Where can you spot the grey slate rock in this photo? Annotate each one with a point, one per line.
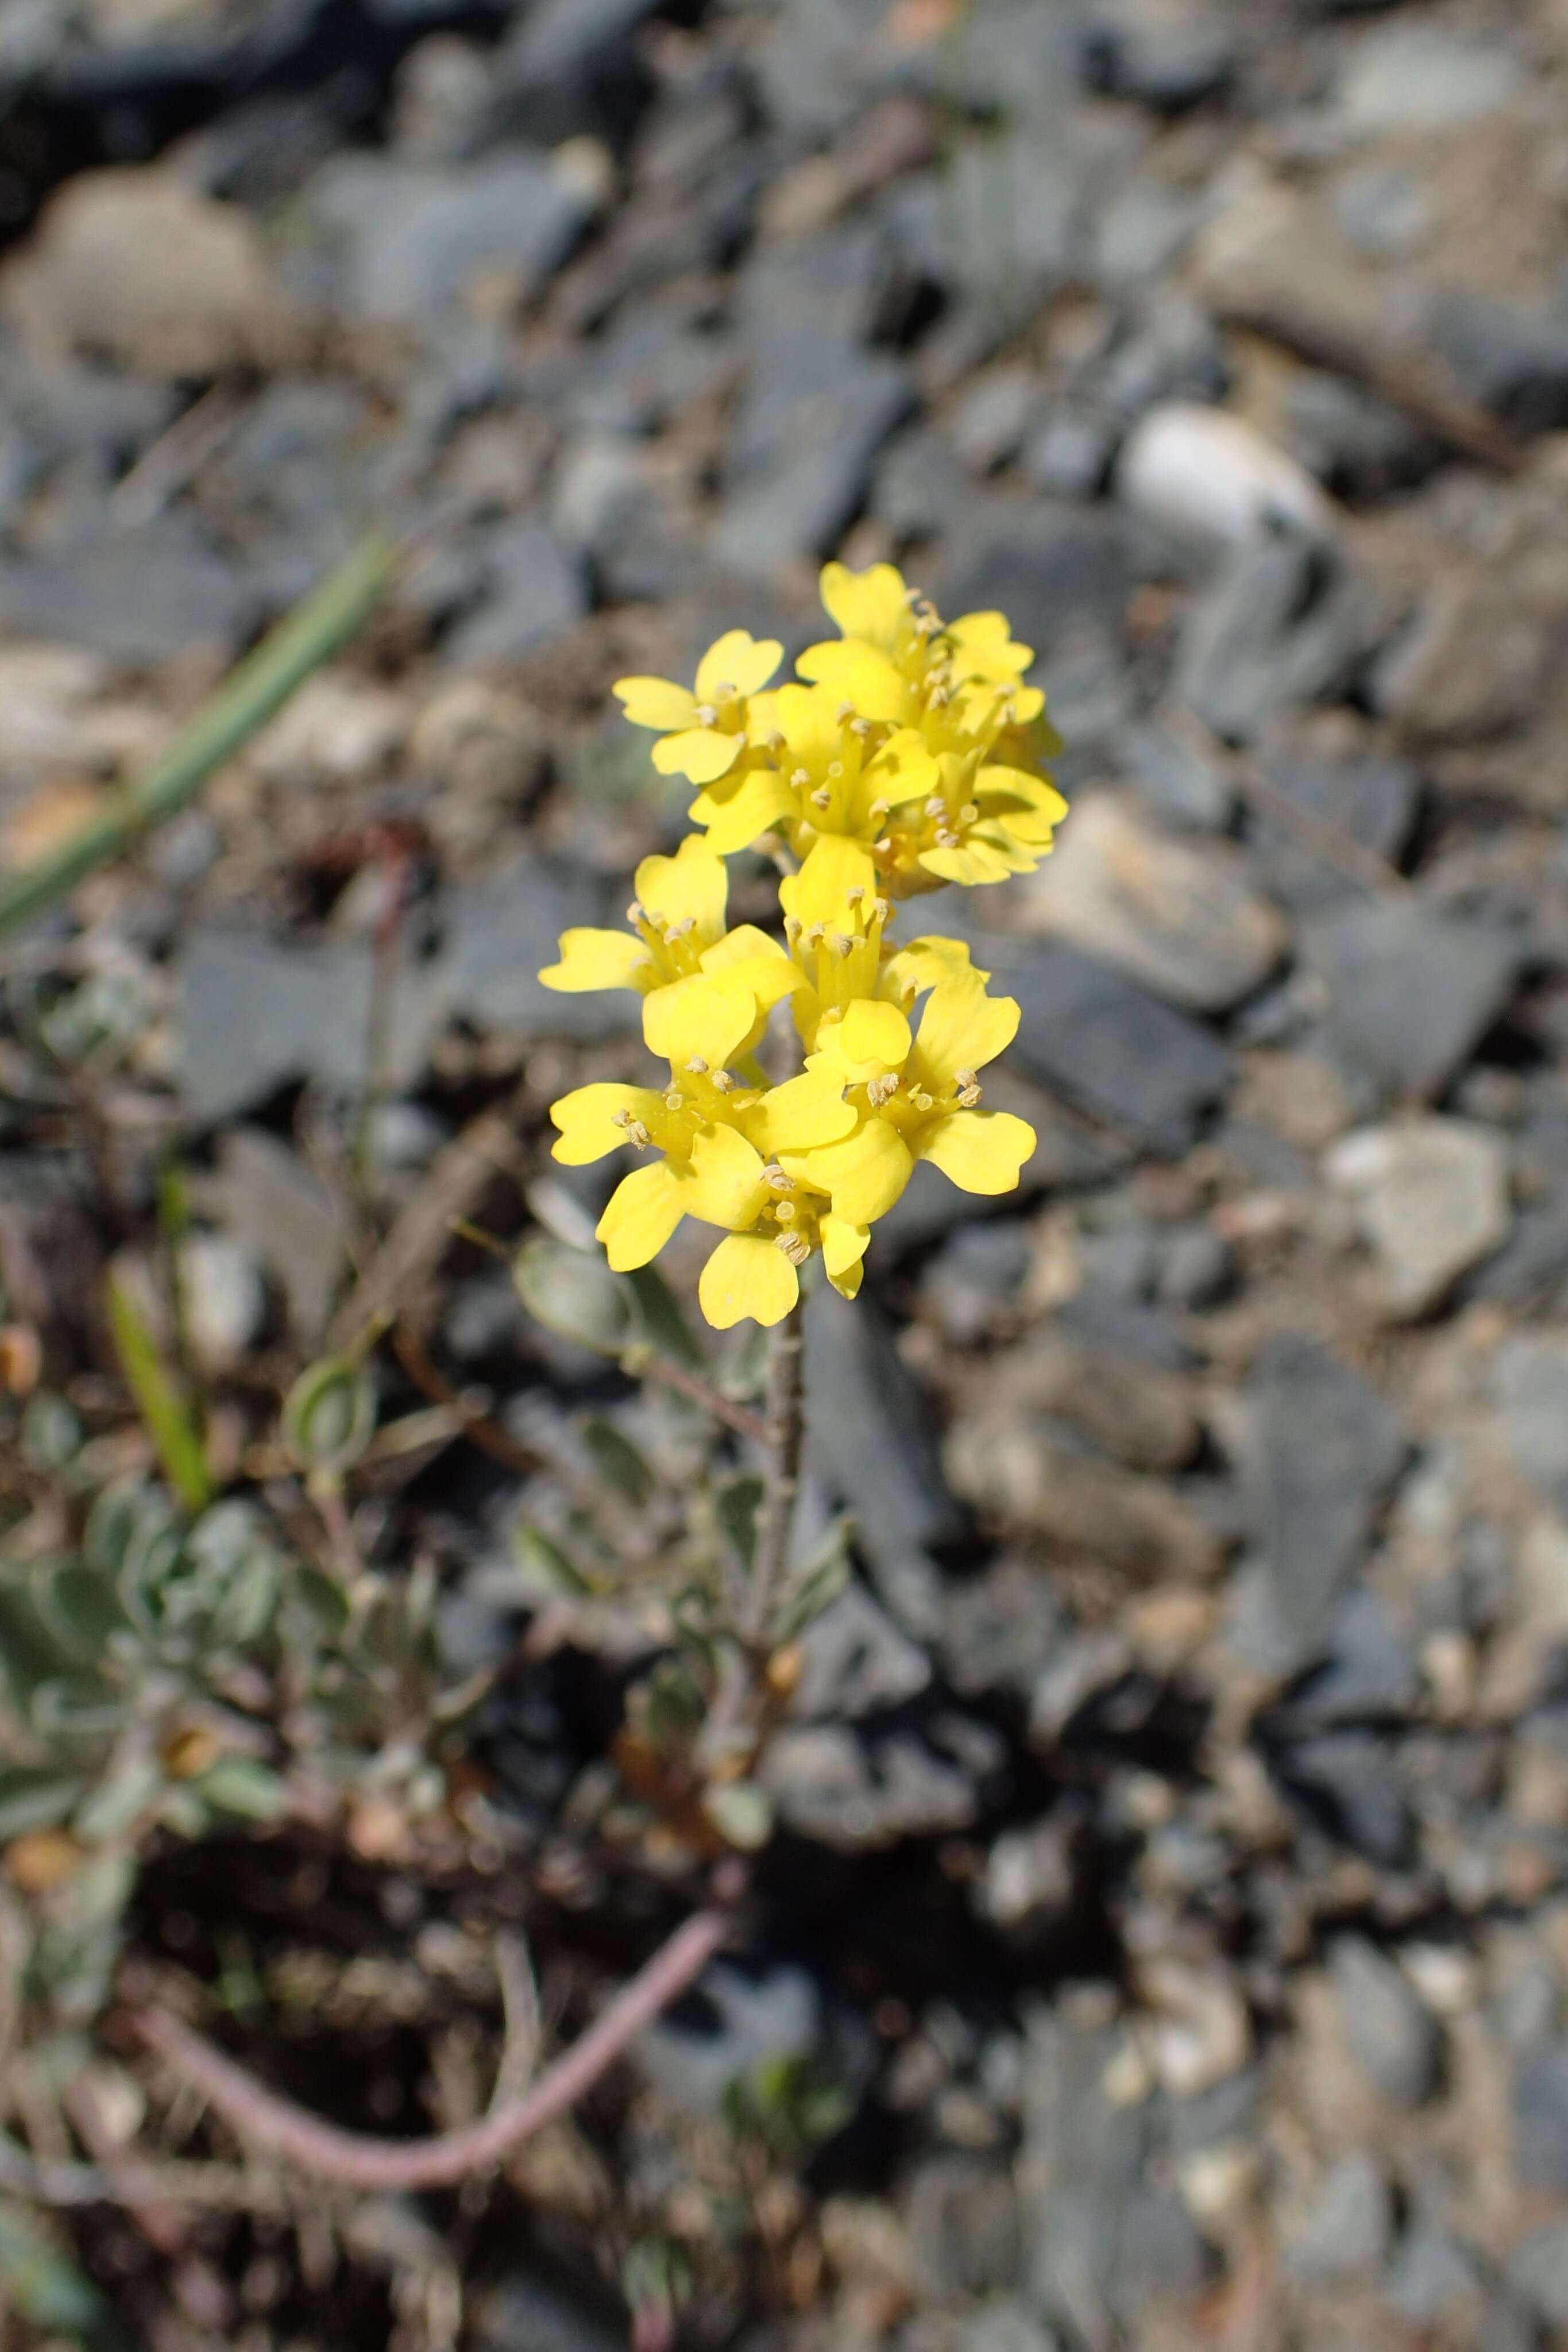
(1374, 801)
(867, 1440)
(919, 490)
(963, 2223)
(139, 595)
(1511, 356)
(534, 591)
(572, 66)
(1530, 1384)
(1110, 1045)
(410, 236)
(1341, 1782)
(1346, 2234)
(1167, 66)
(1369, 1670)
(501, 930)
(1541, 2118)
(1323, 1450)
(1070, 456)
(1050, 568)
(1386, 2024)
(1284, 622)
(800, 505)
(1432, 2278)
(1179, 781)
(257, 1014)
(750, 2023)
(1411, 991)
(1537, 2270)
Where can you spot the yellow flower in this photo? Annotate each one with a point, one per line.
(819, 770)
(703, 733)
(835, 923)
(989, 809)
(917, 1098)
(721, 1143)
(677, 933)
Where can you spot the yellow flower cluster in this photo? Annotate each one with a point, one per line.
(906, 753)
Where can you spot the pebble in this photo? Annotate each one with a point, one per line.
(1541, 2118)
(1111, 1046)
(223, 1297)
(1419, 77)
(1168, 58)
(1430, 1196)
(1180, 917)
(1411, 991)
(534, 590)
(1530, 1386)
(1322, 1450)
(1285, 623)
(1205, 474)
(1386, 2025)
(1345, 2231)
(134, 266)
(962, 2218)
(410, 238)
(1537, 2270)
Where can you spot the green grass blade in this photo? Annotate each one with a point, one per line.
(168, 1417)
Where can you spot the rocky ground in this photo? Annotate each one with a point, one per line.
(1171, 1895)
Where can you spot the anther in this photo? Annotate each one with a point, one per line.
(793, 927)
(878, 809)
(795, 1246)
(697, 1066)
(800, 778)
(852, 898)
(775, 1179)
(822, 798)
(841, 945)
(845, 711)
(724, 1082)
(774, 741)
(861, 728)
(639, 1134)
(816, 935)
(634, 913)
(706, 716)
(882, 1089)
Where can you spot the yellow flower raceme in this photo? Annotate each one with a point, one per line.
(989, 809)
(704, 733)
(917, 1097)
(677, 932)
(818, 770)
(721, 1144)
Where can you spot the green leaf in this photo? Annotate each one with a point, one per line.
(739, 1502)
(51, 1434)
(573, 1293)
(29, 1654)
(81, 1610)
(660, 1318)
(543, 1562)
(816, 1585)
(329, 1415)
(239, 1784)
(35, 1796)
(49, 2291)
(170, 1422)
(742, 1814)
(617, 1461)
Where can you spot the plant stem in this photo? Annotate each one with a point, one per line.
(263, 2120)
(261, 683)
(785, 1419)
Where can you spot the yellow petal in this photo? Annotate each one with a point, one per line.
(739, 661)
(843, 1247)
(640, 1216)
(759, 963)
(1006, 788)
(860, 674)
(865, 1174)
(654, 702)
(980, 1151)
(832, 868)
(701, 754)
(848, 1283)
(597, 960)
(871, 1038)
(725, 1186)
(904, 770)
(804, 1111)
(734, 822)
(973, 862)
(985, 647)
(747, 1275)
(586, 1120)
(962, 1028)
(873, 603)
(926, 963)
(693, 885)
(698, 1019)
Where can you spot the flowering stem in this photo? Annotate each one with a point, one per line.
(786, 1431)
(263, 2120)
